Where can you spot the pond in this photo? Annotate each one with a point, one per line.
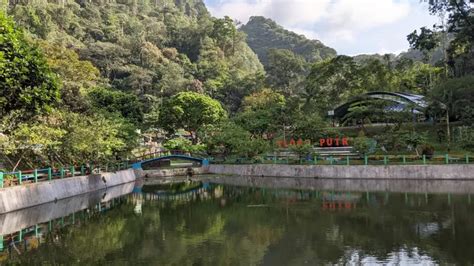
(250, 221)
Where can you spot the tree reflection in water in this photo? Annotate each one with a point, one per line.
(210, 224)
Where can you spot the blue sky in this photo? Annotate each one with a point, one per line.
(350, 26)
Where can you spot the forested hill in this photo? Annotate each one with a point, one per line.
(264, 34)
(151, 48)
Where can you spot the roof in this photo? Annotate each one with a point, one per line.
(399, 99)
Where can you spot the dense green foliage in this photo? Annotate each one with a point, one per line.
(169, 67)
(28, 85)
(190, 111)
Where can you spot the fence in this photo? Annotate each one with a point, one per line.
(8, 179)
(351, 160)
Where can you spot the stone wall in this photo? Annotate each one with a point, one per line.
(359, 171)
(28, 195)
(159, 173)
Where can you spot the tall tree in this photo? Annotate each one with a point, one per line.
(27, 84)
(190, 111)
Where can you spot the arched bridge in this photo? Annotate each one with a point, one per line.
(202, 161)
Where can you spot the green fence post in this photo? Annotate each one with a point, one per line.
(36, 230)
(1, 179)
(1, 243)
(446, 158)
(404, 158)
(316, 159)
(385, 160)
(83, 170)
(61, 172)
(92, 169)
(330, 160)
(287, 159)
(366, 159)
(50, 173)
(347, 160)
(126, 164)
(35, 174)
(274, 159)
(20, 179)
(467, 158)
(424, 159)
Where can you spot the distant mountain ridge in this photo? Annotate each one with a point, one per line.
(264, 34)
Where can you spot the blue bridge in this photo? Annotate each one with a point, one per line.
(202, 161)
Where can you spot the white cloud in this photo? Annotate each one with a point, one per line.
(285, 12)
(348, 17)
(342, 24)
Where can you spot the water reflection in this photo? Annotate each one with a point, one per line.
(24, 230)
(251, 223)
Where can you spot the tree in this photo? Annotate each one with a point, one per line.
(76, 77)
(183, 145)
(26, 82)
(125, 104)
(224, 32)
(229, 139)
(332, 81)
(457, 95)
(190, 111)
(285, 70)
(262, 113)
(458, 27)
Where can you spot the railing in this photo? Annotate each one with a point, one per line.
(351, 160)
(152, 155)
(8, 179)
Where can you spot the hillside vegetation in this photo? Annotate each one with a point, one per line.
(265, 34)
(83, 80)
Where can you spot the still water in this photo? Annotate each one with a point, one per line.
(250, 221)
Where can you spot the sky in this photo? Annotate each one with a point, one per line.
(350, 26)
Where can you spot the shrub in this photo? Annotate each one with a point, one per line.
(364, 145)
(427, 150)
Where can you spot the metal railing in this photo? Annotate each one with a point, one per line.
(9, 179)
(351, 160)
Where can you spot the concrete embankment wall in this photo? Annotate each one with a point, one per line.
(160, 173)
(357, 171)
(24, 218)
(420, 186)
(20, 197)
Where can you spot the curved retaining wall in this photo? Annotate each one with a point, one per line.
(356, 171)
(20, 197)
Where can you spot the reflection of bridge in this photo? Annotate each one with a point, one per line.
(202, 191)
(173, 155)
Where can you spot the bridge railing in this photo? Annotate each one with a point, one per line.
(152, 155)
